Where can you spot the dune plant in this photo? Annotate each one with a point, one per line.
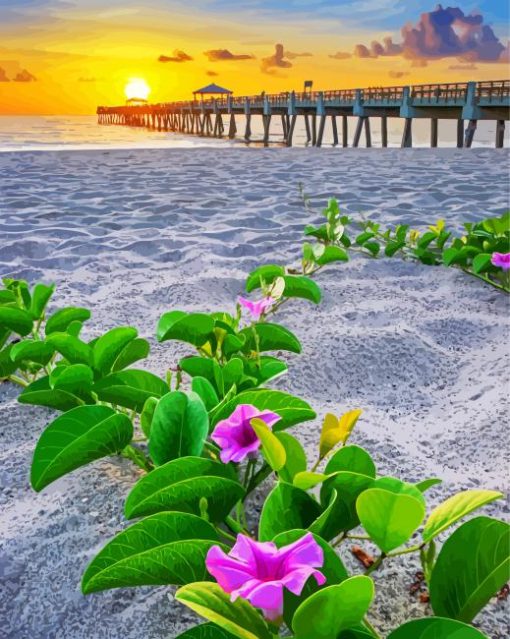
(208, 435)
(482, 251)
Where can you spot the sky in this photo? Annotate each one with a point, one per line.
(68, 56)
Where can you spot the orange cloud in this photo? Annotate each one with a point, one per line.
(24, 76)
(217, 55)
(178, 56)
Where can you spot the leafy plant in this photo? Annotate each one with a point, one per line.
(210, 432)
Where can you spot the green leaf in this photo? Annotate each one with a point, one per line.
(271, 337)
(302, 287)
(286, 507)
(32, 351)
(292, 410)
(206, 391)
(268, 273)
(482, 262)
(295, 457)
(353, 459)
(332, 254)
(332, 568)
(435, 628)
(76, 379)
(181, 484)
(133, 352)
(389, 518)
(16, 320)
(332, 609)
(7, 297)
(130, 388)
(398, 486)
(179, 427)
(424, 485)
(456, 507)
(109, 346)
(206, 631)
(323, 520)
(202, 367)
(164, 549)
(307, 479)
(348, 487)
(211, 602)
(364, 237)
(73, 349)
(473, 565)
(272, 449)
(372, 247)
(450, 256)
(40, 393)
(393, 247)
(7, 366)
(270, 368)
(147, 415)
(40, 297)
(193, 328)
(82, 435)
(232, 372)
(60, 320)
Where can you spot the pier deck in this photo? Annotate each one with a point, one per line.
(465, 102)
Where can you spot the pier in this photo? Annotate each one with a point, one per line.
(467, 103)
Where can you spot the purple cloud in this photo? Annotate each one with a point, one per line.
(340, 55)
(3, 76)
(441, 33)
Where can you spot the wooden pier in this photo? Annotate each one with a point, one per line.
(467, 103)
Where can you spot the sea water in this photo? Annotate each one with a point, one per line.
(38, 133)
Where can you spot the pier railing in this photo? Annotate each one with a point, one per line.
(462, 101)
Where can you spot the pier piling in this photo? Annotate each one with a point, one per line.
(462, 102)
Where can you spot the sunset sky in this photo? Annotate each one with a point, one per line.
(68, 56)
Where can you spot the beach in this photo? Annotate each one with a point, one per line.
(134, 233)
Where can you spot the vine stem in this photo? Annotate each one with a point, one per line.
(371, 628)
(376, 564)
(17, 380)
(406, 551)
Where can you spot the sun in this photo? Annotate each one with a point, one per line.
(137, 89)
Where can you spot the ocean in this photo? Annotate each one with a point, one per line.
(40, 133)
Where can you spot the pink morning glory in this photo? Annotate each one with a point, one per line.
(235, 435)
(259, 571)
(257, 309)
(502, 260)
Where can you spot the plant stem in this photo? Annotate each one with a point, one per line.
(376, 564)
(363, 537)
(406, 551)
(338, 541)
(371, 628)
(17, 380)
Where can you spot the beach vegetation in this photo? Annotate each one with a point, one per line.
(207, 435)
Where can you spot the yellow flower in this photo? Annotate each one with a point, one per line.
(336, 430)
(438, 227)
(414, 235)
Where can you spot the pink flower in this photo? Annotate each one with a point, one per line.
(259, 571)
(235, 435)
(502, 260)
(257, 308)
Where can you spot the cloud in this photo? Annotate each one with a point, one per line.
(398, 74)
(441, 33)
(86, 79)
(177, 56)
(275, 61)
(211, 74)
(24, 76)
(376, 49)
(463, 67)
(217, 55)
(340, 55)
(293, 56)
(3, 76)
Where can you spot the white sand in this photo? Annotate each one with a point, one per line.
(132, 234)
